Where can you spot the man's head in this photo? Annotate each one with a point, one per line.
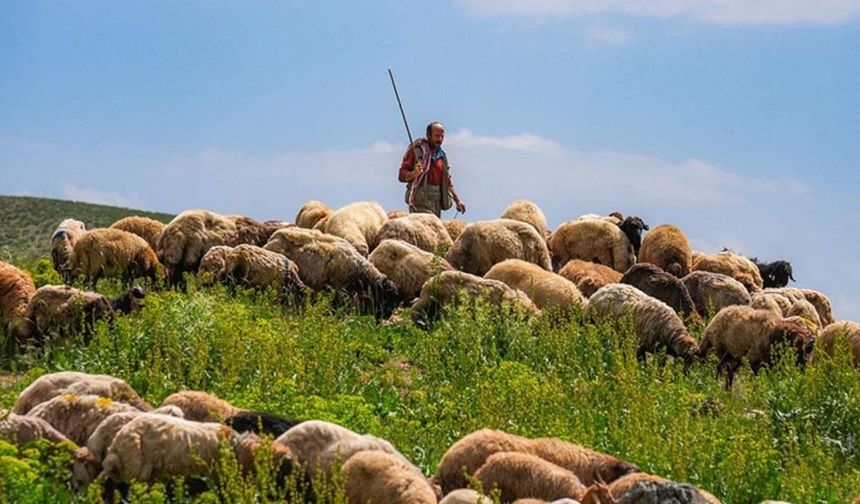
(435, 133)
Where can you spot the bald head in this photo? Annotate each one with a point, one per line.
(435, 133)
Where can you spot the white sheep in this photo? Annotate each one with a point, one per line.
(62, 243)
(423, 230)
(406, 265)
(528, 212)
(591, 240)
(546, 289)
(49, 386)
(358, 223)
(77, 416)
(485, 243)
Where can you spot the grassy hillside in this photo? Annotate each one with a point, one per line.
(26, 223)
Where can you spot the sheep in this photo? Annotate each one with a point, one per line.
(589, 276)
(714, 290)
(546, 289)
(423, 230)
(312, 212)
(151, 447)
(588, 465)
(591, 240)
(734, 265)
(148, 229)
(406, 265)
(213, 265)
(774, 274)
(22, 430)
(847, 330)
(77, 416)
(465, 496)
(327, 262)
(742, 332)
(115, 254)
(528, 212)
(62, 243)
(378, 477)
(614, 217)
(49, 386)
(659, 284)
(201, 406)
(260, 422)
(785, 304)
(358, 223)
(342, 450)
(56, 311)
(654, 322)
(252, 266)
(454, 227)
(521, 475)
(396, 214)
(448, 286)
(483, 244)
(646, 488)
(818, 300)
(308, 441)
(668, 248)
(187, 238)
(16, 291)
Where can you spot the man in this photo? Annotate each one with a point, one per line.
(425, 170)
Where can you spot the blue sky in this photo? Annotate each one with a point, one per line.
(738, 121)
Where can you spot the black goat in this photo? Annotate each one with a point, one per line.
(774, 274)
(633, 227)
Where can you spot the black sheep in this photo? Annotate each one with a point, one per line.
(774, 274)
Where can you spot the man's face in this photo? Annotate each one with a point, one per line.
(437, 135)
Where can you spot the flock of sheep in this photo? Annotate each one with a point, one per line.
(376, 262)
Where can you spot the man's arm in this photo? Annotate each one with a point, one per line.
(461, 207)
(409, 169)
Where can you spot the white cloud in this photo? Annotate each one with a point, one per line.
(91, 195)
(607, 35)
(742, 12)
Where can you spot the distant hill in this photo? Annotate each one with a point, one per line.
(26, 223)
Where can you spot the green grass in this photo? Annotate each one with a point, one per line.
(787, 433)
(26, 223)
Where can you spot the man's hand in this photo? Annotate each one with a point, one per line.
(461, 207)
(416, 171)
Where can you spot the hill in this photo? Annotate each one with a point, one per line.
(26, 223)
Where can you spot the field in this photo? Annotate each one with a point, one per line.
(787, 433)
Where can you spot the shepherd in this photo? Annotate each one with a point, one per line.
(425, 171)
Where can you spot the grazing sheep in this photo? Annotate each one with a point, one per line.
(406, 265)
(774, 274)
(614, 217)
(528, 212)
(847, 330)
(16, 290)
(659, 284)
(589, 276)
(734, 265)
(188, 237)
(668, 248)
(483, 244)
(56, 311)
(714, 291)
(148, 229)
(62, 243)
(465, 496)
(521, 475)
(213, 266)
(655, 323)
(448, 286)
(588, 465)
(308, 441)
(396, 214)
(49, 386)
(818, 300)
(591, 240)
(546, 289)
(742, 332)
(341, 451)
(423, 230)
(153, 447)
(454, 227)
(252, 266)
(381, 478)
(77, 416)
(327, 262)
(113, 253)
(201, 406)
(642, 488)
(260, 422)
(785, 304)
(358, 223)
(311, 213)
(632, 228)
(21, 430)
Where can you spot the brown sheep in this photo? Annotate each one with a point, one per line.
(16, 291)
(843, 330)
(62, 243)
(308, 441)
(589, 276)
(113, 253)
(77, 416)
(396, 214)
(714, 291)
(49, 386)
(668, 248)
(358, 223)
(521, 475)
(381, 478)
(659, 284)
(311, 213)
(546, 289)
(449, 286)
(148, 229)
(528, 212)
(588, 465)
(454, 227)
(423, 230)
(785, 304)
(256, 267)
(465, 496)
(213, 266)
(817, 299)
(201, 406)
(742, 332)
(734, 265)
(21, 430)
(406, 265)
(643, 487)
(591, 240)
(483, 244)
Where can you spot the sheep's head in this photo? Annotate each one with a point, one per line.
(85, 468)
(780, 273)
(611, 471)
(798, 334)
(632, 227)
(129, 302)
(387, 297)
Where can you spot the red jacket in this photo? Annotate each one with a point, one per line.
(434, 177)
